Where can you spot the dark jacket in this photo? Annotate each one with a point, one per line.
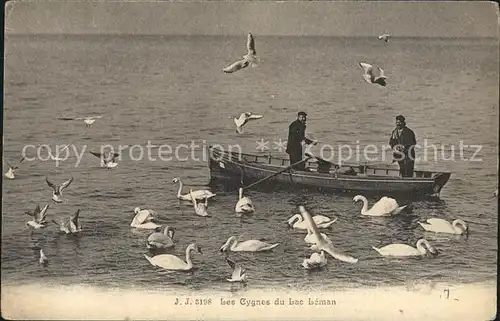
(296, 134)
(406, 139)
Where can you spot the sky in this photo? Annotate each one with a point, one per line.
(307, 18)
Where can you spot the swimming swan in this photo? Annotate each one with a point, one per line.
(386, 206)
(244, 204)
(439, 225)
(199, 194)
(239, 274)
(172, 262)
(247, 246)
(161, 240)
(323, 243)
(403, 250)
(199, 208)
(143, 219)
(297, 221)
(317, 260)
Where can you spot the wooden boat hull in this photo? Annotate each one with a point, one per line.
(245, 169)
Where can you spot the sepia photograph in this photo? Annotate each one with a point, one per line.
(250, 160)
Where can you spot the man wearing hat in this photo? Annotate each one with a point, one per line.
(296, 135)
(403, 143)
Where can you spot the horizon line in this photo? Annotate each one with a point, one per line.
(12, 33)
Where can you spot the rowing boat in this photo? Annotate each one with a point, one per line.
(245, 169)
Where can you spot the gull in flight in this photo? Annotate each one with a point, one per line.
(57, 190)
(322, 244)
(243, 119)
(43, 259)
(370, 77)
(239, 274)
(107, 158)
(87, 120)
(249, 58)
(71, 226)
(12, 169)
(384, 37)
(39, 216)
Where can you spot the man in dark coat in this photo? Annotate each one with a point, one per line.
(403, 143)
(296, 135)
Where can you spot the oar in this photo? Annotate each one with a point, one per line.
(277, 173)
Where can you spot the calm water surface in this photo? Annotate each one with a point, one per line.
(171, 90)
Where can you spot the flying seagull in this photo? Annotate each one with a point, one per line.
(107, 158)
(238, 274)
(71, 226)
(250, 58)
(369, 77)
(57, 190)
(39, 216)
(243, 119)
(13, 169)
(384, 37)
(87, 120)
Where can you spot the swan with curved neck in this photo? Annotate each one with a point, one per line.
(172, 262)
(159, 240)
(244, 204)
(404, 250)
(298, 222)
(246, 246)
(198, 194)
(199, 208)
(143, 219)
(386, 206)
(316, 261)
(439, 225)
(324, 244)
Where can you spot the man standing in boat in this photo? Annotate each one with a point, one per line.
(297, 135)
(403, 143)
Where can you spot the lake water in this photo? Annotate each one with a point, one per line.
(171, 90)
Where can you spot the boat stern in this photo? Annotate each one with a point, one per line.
(440, 179)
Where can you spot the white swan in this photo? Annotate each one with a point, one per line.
(39, 217)
(161, 240)
(249, 58)
(107, 158)
(172, 262)
(57, 190)
(12, 169)
(143, 219)
(317, 260)
(439, 225)
(238, 274)
(199, 194)
(244, 119)
(325, 244)
(370, 78)
(87, 120)
(199, 208)
(495, 193)
(386, 206)
(246, 246)
(310, 238)
(297, 221)
(244, 204)
(403, 250)
(43, 259)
